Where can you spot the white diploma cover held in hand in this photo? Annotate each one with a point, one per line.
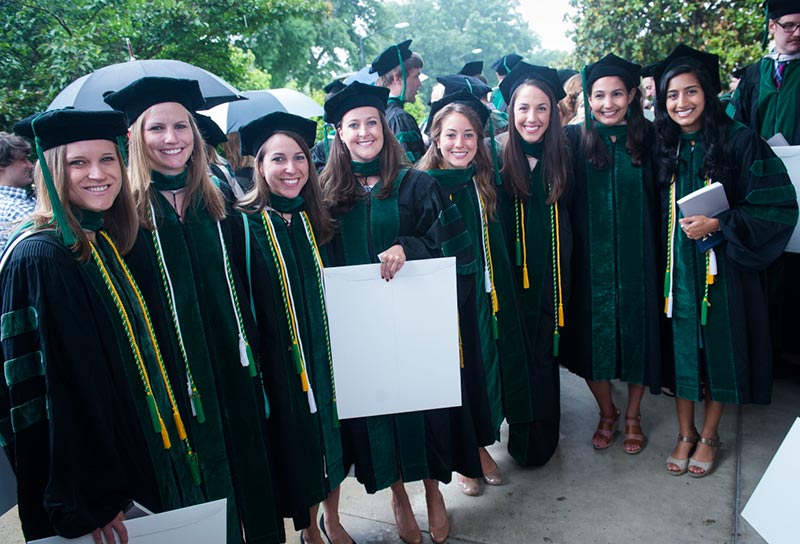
(394, 344)
(790, 155)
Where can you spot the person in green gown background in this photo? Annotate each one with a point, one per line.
(613, 331)
(715, 296)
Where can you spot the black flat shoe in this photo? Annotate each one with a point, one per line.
(322, 528)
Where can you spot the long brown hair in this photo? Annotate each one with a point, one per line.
(257, 198)
(199, 187)
(555, 169)
(120, 221)
(484, 175)
(339, 185)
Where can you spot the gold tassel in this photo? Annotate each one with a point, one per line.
(495, 303)
(525, 282)
(179, 425)
(560, 314)
(164, 435)
(304, 381)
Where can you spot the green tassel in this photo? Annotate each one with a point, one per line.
(197, 403)
(298, 361)
(704, 313)
(266, 404)
(495, 162)
(55, 201)
(194, 467)
(122, 151)
(151, 407)
(495, 329)
(556, 339)
(666, 284)
(587, 119)
(251, 367)
(518, 252)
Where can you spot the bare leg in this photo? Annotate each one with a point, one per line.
(685, 411)
(604, 435)
(704, 452)
(333, 525)
(438, 523)
(407, 526)
(311, 534)
(634, 436)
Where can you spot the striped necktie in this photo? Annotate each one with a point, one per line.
(779, 69)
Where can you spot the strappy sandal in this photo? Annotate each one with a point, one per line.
(606, 432)
(682, 464)
(635, 440)
(705, 466)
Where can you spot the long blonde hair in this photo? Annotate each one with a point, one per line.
(120, 220)
(199, 187)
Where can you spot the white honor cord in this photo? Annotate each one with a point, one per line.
(672, 254)
(712, 262)
(487, 278)
(242, 345)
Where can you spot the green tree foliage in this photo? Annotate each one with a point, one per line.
(647, 30)
(46, 44)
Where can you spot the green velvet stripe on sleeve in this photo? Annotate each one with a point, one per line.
(28, 414)
(23, 368)
(18, 322)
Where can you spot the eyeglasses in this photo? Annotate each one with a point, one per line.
(789, 28)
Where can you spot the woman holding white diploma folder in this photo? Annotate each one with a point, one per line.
(714, 284)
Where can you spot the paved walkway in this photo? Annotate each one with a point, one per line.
(584, 496)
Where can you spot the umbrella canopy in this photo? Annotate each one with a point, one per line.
(87, 91)
(362, 76)
(233, 115)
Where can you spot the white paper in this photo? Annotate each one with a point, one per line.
(8, 485)
(201, 524)
(791, 158)
(772, 508)
(394, 344)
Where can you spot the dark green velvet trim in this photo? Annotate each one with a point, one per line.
(772, 195)
(768, 167)
(23, 368)
(456, 244)
(371, 168)
(778, 109)
(18, 322)
(449, 215)
(408, 136)
(533, 149)
(397, 448)
(286, 205)
(6, 432)
(692, 136)
(29, 413)
(784, 216)
(89, 220)
(162, 182)
(614, 130)
(452, 178)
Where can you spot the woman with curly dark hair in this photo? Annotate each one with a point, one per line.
(714, 285)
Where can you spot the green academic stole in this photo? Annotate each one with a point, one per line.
(777, 110)
(616, 204)
(689, 336)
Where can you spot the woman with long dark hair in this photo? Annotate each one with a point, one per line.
(388, 211)
(714, 284)
(536, 179)
(614, 308)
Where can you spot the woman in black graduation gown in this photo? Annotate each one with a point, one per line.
(460, 162)
(87, 415)
(714, 284)
(536, 179)
(614, 307)
(190, 262)
(383, 207)
(289, 222)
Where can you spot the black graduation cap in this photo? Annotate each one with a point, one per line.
(134, 99)
(612, 65)
(354, 96)
(778, 8)
(474, 68)
(462, 96)
(255, 133)
(209, 130)
(386, 61)
(334, 86)
(524, 71)
(60, 127)
(504, 64)
(565, 74)
(683, 54)
(455, 83)
(738, 72)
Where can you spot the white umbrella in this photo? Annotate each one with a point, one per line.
(232, 116)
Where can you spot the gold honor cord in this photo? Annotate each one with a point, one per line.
(521, 245)
(176, 416)
(488, 268)
(711, 272)
(288, 306)
(166, 281)
(555, 248)
(312, 239)
(668, 296)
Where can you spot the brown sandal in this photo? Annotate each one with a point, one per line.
(635, 440)
(606, 432)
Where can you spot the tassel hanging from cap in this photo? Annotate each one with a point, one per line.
(59, 216)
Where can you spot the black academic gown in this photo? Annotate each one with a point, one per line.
(730, 354)
(74, 416)
(231, 394)
(416, 445)
(614, 307)
(405, 128)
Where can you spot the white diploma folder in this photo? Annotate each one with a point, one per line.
(772, 508)
(201, 524)
(394, 344)
(790, 155)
